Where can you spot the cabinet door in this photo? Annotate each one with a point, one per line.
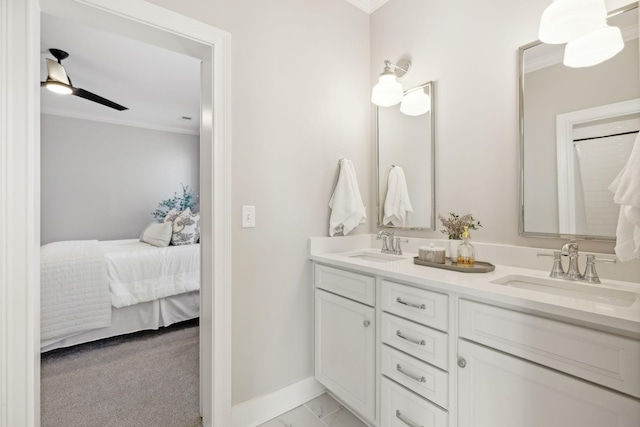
(345, 351)
(497, 390)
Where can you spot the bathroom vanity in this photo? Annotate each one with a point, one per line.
(407, 345)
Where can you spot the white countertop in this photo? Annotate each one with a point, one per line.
(611, 318)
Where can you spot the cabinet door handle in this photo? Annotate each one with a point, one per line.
(413, 340)
(461, 362)
(411, 304)
(410, 375)
(366, 323)
(405, 420)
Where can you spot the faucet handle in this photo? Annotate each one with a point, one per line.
(556, 271)
(398, 248)
(590, 274)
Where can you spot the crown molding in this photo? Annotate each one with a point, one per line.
(369, 6)
(96, 118)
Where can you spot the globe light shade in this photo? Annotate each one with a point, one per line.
(566, 20)
(387, 92)
(415, 103)
(596, 47)
(58, 87)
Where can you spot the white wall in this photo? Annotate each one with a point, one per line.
(102, 181)
(300, 101)
(470, 49)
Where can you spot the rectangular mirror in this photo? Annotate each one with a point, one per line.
(405, 153)
(577, 128)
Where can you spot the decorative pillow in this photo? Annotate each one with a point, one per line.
(171, 215)
(186, 228)
(157, 234)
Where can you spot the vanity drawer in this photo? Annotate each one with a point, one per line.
(416, 375)
(419, 341)
(354, 286)
(606, 359)
(422, 306)
(400, 408)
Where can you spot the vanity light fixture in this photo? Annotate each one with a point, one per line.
(416, 102)
(566, 20)
(389, 91)
(593, 48)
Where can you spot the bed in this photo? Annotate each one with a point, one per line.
(92, 289)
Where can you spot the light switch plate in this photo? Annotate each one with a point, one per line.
(248, 216)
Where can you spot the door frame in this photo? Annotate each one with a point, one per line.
(20, 194)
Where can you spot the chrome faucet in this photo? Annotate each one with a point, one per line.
(570, 249)
(387, 241)
(397, 248)
(391, 244)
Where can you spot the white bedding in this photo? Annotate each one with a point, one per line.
(74, 289)
(139, 272)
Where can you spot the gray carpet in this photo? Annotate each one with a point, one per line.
(147, 379)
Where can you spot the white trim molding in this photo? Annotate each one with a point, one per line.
(20, 193)
(369, 6)
(19, 213)
(262, 409)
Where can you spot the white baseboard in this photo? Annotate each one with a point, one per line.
(262, 409)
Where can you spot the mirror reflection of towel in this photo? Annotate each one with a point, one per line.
(626, 193)
(347, 209)
(397, 204)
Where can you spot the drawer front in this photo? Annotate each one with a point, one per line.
(419, 341)
(422, 306)
(402, 408)
(424, 379)
(355, 286)
(602, 358)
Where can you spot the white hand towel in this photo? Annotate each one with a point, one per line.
(626, 193)
(397, 204)
(347, 210)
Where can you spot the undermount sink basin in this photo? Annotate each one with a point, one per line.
(375, 256)
(579, 290)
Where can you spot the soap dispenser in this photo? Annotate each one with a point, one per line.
(466, 252)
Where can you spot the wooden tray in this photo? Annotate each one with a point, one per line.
(478, 267)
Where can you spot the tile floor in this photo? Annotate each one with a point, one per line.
(323, 411)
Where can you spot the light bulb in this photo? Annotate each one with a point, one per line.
(566, 20)
(415, 102)
(59, 88)
(596, 47)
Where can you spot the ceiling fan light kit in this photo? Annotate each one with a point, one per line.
(58, 81)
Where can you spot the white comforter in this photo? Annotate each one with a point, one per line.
(139, 272)
(74, 289)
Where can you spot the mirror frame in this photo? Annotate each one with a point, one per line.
(380, 214)
(521, 231)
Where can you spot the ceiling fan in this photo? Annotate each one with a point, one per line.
(59, 82)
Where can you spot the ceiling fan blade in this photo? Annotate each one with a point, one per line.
(95, 98)
(56, 72)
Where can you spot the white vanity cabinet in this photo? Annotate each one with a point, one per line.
(414, 356)
(498, 389)
(345, 338)
(439, 356)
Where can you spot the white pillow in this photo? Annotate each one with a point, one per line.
(186, 228)
(157, 234)
(171, 215)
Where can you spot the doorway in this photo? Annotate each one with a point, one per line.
(20, 306)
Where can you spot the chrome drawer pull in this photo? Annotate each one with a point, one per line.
(405, 420)
(411, 304)
(413, 340)
(410, 375)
